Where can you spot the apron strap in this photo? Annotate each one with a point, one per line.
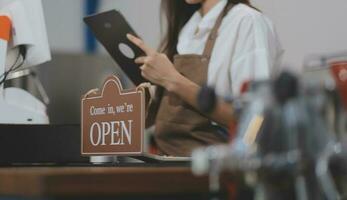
(154, 106)
(211, 40)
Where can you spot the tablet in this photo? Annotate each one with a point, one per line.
(110, 29)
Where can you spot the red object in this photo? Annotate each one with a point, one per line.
(232, 129)
(153, 150)
(233, 124)
(5, 28)
(244, 87)
(232, 190)
(153, 147)
(339, 72)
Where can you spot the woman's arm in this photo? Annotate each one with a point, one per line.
(158, 69)
(188, 91)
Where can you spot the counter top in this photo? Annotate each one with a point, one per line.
(99, 181)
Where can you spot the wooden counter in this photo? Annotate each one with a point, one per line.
(99, 181)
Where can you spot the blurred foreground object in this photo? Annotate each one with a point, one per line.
(284, 147)
(330, 72)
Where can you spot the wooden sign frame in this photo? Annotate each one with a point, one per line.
(113, 120)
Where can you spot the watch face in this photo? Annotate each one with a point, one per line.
(110, 28)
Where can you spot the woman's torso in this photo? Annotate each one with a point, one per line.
(247, 46)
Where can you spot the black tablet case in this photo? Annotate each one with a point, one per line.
(110, 28)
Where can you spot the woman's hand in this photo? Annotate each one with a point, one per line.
(156, 67)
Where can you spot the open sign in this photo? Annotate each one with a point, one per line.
(113, 120)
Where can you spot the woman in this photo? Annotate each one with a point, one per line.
(223, 43)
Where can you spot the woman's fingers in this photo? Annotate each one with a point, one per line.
(140, 60)
(145, 71)
(138, 42)
(148, 60)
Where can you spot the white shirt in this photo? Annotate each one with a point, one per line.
(247, 47)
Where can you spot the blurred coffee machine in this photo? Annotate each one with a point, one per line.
(330, 72)
(284, 141)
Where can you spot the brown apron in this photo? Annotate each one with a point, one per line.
(179, 128)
